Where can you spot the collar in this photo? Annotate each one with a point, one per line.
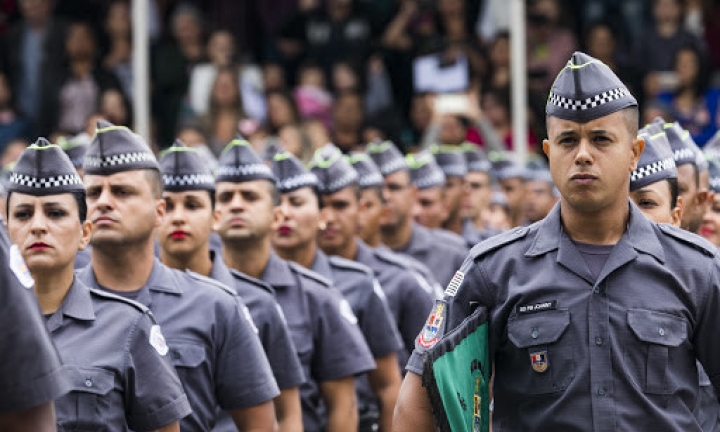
(77, 305)
(639, 234)
(277, 272)
(420, 239)
(220, 272)
(364, 255)
(161, 278)
(321, 265)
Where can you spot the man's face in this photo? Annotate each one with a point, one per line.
(654, 201)
(694, 196)
(455, 191)
(185, 230)
(430, 209)
(539, 200)
(122, 208)
(399, 195)
(591, 162)
(244, 211)
(514, 191)
(479, 194)
(369, 213)
(340, 216)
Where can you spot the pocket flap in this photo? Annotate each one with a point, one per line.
(187, 355)
(90, 379)
(540, 328)
(657, 327)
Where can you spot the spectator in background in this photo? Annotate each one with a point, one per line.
(193, 135)
(117, 56)
(312, 97)
(34, 48)
(273, 77)
(74, 92)
(115, 108)
(12, 124)
(600, 41)
(282, 111)
(496, 110)
(295, 140)
(222, 120)
(456, 25)
(499, 55)
(171, 65)
(11, 153)
(348, 120)
(693, 103)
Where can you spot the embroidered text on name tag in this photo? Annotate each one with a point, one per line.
(537, 307)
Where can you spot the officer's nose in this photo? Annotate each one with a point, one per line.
(583, 155)
(38, 223)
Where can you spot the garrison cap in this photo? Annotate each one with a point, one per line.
(44, 169)
(450, 159)
(116, 149)
(714, 169)
(387, 157)
(183, 169)
(368, 173)
(291, 174)
(475, 158)
(505, 168)
(239, 163)
(587, 89)
(683, 152)
(332, 170)
(76, 147)
(656, 161)
(425, 172)
(712, 148)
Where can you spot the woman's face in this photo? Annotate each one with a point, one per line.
(279, 111)
(298, 225)
(118, 18)
(221, 48)
(225, 91)
(710, 228)
(47, 230)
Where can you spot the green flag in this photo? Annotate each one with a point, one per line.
(456, 375)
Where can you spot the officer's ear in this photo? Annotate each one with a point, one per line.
(546, 147)
(638, 145)
(677, 212)
(160, 210)
(85, 234)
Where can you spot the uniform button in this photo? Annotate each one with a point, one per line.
(519, 231)
(601, 392)
(661, 331)
(534, 333)
(88, 383)
(598, 341)
(596, 290)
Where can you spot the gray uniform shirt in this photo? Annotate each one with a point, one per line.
(572, 352)
(30, 369)
(438, 253)
(209, 337)
(118, 364)
(328, 341)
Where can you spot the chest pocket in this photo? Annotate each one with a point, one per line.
(185, 355)
(88, 403)
(543, 360)
(661, 335)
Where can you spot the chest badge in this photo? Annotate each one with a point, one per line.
(539, 361)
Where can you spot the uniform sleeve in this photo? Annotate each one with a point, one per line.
(416, 305)
(462, 296)
(705, 335)
(30, 369)
(377, 323)
(243, 375)
(154, 394)
(341, 350)
(279, 347)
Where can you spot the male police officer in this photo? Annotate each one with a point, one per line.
(397, 229)
(453, 164)
(430, 209)
(596, 314)
(477, 199)
(183, 236)
(331, 349)
(539, 197)
(207, 333)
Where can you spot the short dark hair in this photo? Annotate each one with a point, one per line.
(155, 180)
(274, 193)
(79, 197)
(674, 192)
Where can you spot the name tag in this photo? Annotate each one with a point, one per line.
(536, 307)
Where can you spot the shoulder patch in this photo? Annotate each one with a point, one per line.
(389, 258)
(498, 241)
(213, 282)
(252, 281)
(346, 264)
(690, 239)
(157, 340)
(309, 274)
(114, 297)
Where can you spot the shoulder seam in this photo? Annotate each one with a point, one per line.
(120, 299)
(212, 282)
(309, 274)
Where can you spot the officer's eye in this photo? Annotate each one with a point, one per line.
(647, 203)
(22, 214)
(716, 209)
(93, 193)
(193, 205)
(56, 213)
(169, 206)
(225, 197)
(297, 202)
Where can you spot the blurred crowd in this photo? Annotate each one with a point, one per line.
(307, 72)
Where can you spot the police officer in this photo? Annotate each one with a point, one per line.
(430, 208)
(113, 351)
(453, 164)
(398, 231)
(183, 236)
(510, 178)
(539, 196)
(207, 333)
(597, 314)
(31, 375)
(75, 148)
(327, 339)
(479, 191)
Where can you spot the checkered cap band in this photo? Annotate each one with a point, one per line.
(45, 182)
(348, 178)
(393, 165)
(479, 166)
(297, 182)
(654, 168)
(589, 103)
(243, 170)
(188, 180)
(372, 179)
(118, 159)
(454, 170)
(684, 156)
(435, 179)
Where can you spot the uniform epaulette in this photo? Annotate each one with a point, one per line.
(252, 281)
(310, 274)
(212, 282)
(449, 236)
(346, 264)
(114, 297)
(498, 241)
(389, 258)
(691, 239)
